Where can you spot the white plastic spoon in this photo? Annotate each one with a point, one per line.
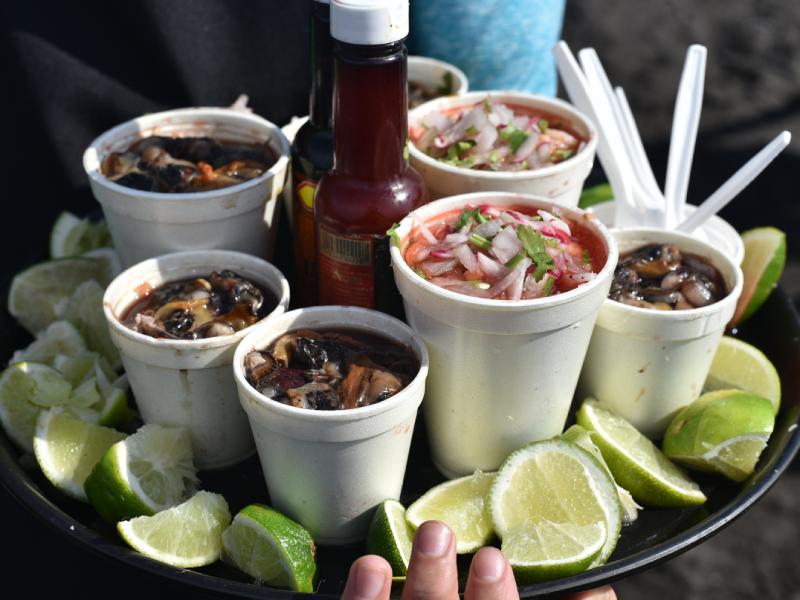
(685, 121)
(740, 180)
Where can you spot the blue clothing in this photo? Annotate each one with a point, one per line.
(499, 44)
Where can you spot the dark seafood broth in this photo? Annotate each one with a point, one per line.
(662, 277)
(331, 369)
(221, 303)
(187, 164)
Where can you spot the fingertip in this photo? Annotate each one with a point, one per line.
(370, 579)
(489, 565)
(433, 539)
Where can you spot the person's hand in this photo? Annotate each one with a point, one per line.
(432, 573)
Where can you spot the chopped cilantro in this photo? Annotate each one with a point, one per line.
(487, 106)
(515, 260)
(494, 156)
(587, 258)
(543, 125)
(405, 152)
(551, 242)
(562, 154)
(447, 86)
(534, 245)
(474, 213)
(515, 137)
(548, 286)
(392, 233)
(480, 241)
(470, 131)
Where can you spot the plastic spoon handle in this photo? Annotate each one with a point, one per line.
(740, 180)
(685, 121)
(636, 150)
(577, 87)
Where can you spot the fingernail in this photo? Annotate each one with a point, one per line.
(488, 565)
(369, 582)
(433, 539)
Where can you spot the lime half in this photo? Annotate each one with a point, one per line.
(461, 503)
(67, 449)
(737, 364)
(721, 432)
(149, 471)
(390, 536)
(557, 490)
(71, 235)
(636, 463)
(272, 548)
(188, 535)
(39, 294)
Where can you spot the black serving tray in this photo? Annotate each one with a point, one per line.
(656, 536)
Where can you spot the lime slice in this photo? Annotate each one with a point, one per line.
(85, 309)
(554, 487)
(188, 535)
(60, 338)
(762, 266)
(25, 388)
(721, 432)
(67, 449)
(67, 235)
(98, 235)
(636, 463)
(390, 536)
(543, 550)
(149, 471)
(737, 364)
(79, 367)
(583, 438)
(272, 548)
(39, 294)
(461, 503)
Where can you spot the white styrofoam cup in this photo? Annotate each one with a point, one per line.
(646, 364)
(189, 383)
(561, 183)
(242, 217)
(503, 372)
(328, 470)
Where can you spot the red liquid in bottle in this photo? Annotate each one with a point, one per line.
(371, 186)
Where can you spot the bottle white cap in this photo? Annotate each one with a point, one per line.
(369, 22)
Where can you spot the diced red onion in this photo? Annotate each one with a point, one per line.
(517, 274)
(492, 268)
(486, 138)
(454, 239)
(488, 229)
(555, 221)
(441, 253)
(506, 244)
(526, 148)
(426, 233)
(432, 268)
(467, 258)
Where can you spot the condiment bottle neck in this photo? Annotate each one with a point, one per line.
(370, 109)
(320, 109)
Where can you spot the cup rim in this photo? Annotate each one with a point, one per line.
(689, 314)
(515, 96)
(328, 416)
(213, 258)
(92, 155)
(463, 81)
(398, 262)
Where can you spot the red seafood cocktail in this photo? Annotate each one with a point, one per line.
(504, 289)
(502, 141)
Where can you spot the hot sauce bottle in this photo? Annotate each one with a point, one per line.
(371, 185)
(312, 156)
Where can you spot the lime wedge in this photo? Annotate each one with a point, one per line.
(79, 367)
(188, 535)
(461, 503)
(737, 364)
(85, 309)
(25, 388)
(583, 438)
(595, 195)
(111, 259)
(71, 235)
(554, 488)
(149, 471)
(543, 550)
(67, 234)
(636, 463)
(721, 432)
(67, 449)
(272, 548)
(39, 294)
(762, 266)
(390, 536)
(60, 338)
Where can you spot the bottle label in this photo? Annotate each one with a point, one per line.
(346, 269)
(305, 248)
